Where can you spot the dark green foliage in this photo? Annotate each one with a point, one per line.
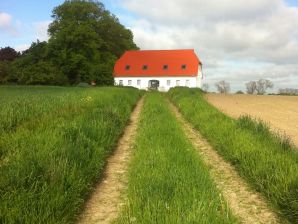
(5, 68)
(8, 54)
(41, 73)
(85, 41)
(116, 38)
(35, 68)
(267, 161)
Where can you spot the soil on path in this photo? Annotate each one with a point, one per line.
(246, 204)
(281, 112)
(105, 202)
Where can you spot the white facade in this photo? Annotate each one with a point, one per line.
(165, 83)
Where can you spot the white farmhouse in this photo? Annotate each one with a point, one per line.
(158, 69)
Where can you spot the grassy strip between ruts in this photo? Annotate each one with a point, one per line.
(50, 167)
(268, 162)
(168, 182)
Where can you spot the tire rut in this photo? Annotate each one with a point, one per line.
(105, 202)
(247, 205)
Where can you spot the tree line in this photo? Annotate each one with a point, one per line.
(288, 91)
(253, 87)
(84, 42)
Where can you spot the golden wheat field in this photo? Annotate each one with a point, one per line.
(281, 112)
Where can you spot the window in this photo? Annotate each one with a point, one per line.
(145, 67)
(127, 67)
(168, 82)
(120, 82)
(177, 82)
(183, 67)
(165, 67)
(129, 82)
(138, 82)
(187, 82)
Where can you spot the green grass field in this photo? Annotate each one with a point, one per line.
(168, 182)
(53, 146)
(54, 142)
(268, 162)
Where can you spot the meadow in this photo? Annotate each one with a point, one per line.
(53, 145)
(168, 182)
(55, 141)
(266, 160)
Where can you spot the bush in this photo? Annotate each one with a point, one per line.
(4, 71)
(83, 84)
(40, 73)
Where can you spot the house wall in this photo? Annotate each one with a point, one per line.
(190, 81)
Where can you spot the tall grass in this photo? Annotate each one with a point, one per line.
(20, 104)
(50, 163)
(168, 182)
(267, 161)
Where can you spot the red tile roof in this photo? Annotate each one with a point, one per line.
(161, 63)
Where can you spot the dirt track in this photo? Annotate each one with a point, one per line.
(105, 202)
(246, 204)
(281, 112)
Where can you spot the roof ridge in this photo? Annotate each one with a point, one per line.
(186, 49)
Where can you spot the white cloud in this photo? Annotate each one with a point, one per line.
(38, 30)
(7, 24)
(41, 30)
(21, 47)
(5, 20)
(197, 11)
(237, 40)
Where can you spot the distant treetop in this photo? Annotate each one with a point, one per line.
(85, 41)
(8, 54)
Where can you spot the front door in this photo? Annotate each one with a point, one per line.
(153, 84)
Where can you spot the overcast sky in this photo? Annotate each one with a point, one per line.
(237, 40)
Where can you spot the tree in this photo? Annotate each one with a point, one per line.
(288, 91)
(251, 87)
(41, 73)
(205, 87)
(259, 86)
(116, 38)
(4, 71)
(8, 54)
(35, 67)
(223, 86)
(85, 41)
(263, 85)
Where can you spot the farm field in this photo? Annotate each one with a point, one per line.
(53, 145)
(168, 181)
(67, 151)
(281, 112)
(267, 162)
